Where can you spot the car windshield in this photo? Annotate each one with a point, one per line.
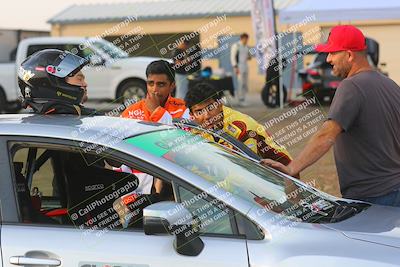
(244, 178)
(113, 51)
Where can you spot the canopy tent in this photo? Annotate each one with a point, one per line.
(340, 11)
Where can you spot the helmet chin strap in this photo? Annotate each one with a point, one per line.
(48, 107)
(61, 108)
(52, 107)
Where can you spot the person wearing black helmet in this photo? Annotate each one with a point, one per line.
(51, 82)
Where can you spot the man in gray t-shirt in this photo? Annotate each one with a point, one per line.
(367, 152)
(363, 125)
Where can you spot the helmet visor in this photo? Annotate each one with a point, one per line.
(66, 64)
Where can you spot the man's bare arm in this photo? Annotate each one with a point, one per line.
(319, 144)
(158, 184)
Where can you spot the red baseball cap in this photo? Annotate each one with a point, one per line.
(343, 37)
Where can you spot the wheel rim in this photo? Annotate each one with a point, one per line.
(272, 95)
(135, 93)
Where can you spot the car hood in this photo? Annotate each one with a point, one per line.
(134, 61)
(376, 224)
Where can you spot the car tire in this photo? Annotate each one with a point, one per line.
(270, 95)
(131, 91)
(3, 102)
(14, 107)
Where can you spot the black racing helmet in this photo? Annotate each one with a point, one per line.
(41, 77)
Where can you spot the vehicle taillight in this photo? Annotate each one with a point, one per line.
(313, 72)
(334, 84)
(306, 86)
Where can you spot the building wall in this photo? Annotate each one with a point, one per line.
(385, 32)
(9, 40)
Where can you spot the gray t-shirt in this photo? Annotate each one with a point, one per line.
(367, 152)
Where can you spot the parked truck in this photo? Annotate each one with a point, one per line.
(111, 73)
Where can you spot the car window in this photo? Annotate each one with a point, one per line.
(92, 192)
(213, 216)
(80, 50)
(110, 49)
(89, 192)
(36, 183)
(34, 48)
(43, 180)
(84, 52)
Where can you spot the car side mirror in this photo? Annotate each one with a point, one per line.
(173, 218)
(96, 60)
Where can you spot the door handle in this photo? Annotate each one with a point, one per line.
(21, 260)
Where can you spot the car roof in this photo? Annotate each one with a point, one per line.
(96, 129)
(57, 40)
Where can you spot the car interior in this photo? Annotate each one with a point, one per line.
(69, 188)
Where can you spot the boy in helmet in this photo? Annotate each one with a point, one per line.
(51, 82)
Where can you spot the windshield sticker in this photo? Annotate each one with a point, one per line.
(157, 143)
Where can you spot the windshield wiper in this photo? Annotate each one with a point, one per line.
(347, 210)
(343, 213)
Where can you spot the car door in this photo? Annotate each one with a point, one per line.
(61, 241)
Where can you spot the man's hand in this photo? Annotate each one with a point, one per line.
(158, 185)
(278, 166)
(318, 145)
(236, 69)
(107, 165)
(152, 101)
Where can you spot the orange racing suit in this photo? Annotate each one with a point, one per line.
(173, 108)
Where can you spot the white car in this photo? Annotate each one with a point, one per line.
(111, 74)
